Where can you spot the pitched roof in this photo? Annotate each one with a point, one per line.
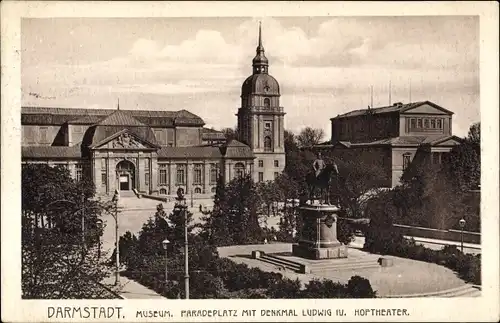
(193, 152)
(51, 152)
(58, 116)
(396, 107)
(236, 149)
(120, 118)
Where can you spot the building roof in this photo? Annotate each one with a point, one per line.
(120, 118)
(59, 116)
(98, 134)
(396, 107)
(263, 84)
(51, 152)
(236, 149)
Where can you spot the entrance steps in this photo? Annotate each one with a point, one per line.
(466, 290)
(315, 267)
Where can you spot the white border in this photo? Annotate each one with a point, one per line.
(485, 308)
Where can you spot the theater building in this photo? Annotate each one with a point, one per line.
(394, 136)
(156, 152)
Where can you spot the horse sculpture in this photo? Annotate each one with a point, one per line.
(322, 181)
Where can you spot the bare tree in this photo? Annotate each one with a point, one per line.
(309, 137)
(230, 133)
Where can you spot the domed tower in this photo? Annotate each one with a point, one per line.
(261, 118)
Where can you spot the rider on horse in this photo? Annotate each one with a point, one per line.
(318, 165)
(321, 178)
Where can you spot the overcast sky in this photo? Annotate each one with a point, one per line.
(325, 65)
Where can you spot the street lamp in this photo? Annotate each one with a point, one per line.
(165, 247)
(182, 205)
(462, 225)
(115, 199)
(100, 225)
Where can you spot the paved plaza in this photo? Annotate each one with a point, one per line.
(389, 281)
(405, 277)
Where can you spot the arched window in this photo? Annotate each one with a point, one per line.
(197, 190)
(239, 169)
(268, 144)
(213, 189)
(163, 191)
(267, 103)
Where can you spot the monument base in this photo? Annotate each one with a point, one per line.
(315, 253)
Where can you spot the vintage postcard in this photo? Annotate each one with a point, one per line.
(178, 162)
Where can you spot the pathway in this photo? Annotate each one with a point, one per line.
(129, 289)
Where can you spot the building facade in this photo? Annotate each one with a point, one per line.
(156, 152)
(394, 136)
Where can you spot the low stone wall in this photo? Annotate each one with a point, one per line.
(450, 235)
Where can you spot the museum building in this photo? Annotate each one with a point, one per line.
(156, 152)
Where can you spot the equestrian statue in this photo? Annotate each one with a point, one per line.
(321, 178)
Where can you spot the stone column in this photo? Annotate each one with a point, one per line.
(139, 169)
(255, 132)
(189, 177)
(261, 134)
(226, 170)
(282, 132)
(154, 172)
(276, 133)
(206, 177)
(111, 175)
(95, 164)
(172, 173)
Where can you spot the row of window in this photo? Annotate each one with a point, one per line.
(436, 158)
(261, 163)
(197, 190)
(426, 123)
(163, 175)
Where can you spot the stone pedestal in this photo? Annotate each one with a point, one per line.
(319, 233)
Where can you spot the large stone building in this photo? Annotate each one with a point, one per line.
(156, 152)
(394, 136)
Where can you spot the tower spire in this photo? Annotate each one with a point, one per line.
(260, 62)
(260, 35)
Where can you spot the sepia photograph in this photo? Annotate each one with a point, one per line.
(250, 157)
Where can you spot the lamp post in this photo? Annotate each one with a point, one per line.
(165, 247)
(462, 225)
(100, 225)
(115, 199)
(182, 204)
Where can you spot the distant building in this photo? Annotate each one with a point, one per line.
(392, 136)
(156, 152)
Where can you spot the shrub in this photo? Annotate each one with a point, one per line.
(284, 288)
(359, 287)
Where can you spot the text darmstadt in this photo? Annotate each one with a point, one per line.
(85, 312)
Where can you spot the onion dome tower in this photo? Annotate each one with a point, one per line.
(261, 118)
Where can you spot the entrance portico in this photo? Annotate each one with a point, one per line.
(125, 171)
